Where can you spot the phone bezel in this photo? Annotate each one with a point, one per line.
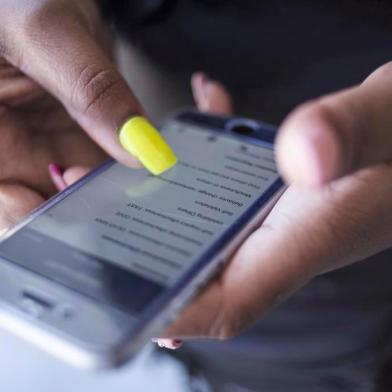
(172, 300)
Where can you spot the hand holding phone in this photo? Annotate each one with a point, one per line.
(309, 231)
(103, 266)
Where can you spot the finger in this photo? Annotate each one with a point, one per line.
(16, 200)
(210, 95)
(171, 344)
(56, 175)
(75, 173)
(340, 133)
(56, 49)
(18, 90)
(312, 231)
(61, 178)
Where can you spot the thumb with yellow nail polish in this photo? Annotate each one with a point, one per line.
(140, 138)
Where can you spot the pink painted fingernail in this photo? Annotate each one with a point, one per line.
(177, 343)
(56, 175)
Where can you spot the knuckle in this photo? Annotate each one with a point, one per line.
(35, 17)
(27, 25)
(43, 13)
(41, 17)
(93, 87)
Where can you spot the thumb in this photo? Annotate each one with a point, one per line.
(57, 49)
(340, 133)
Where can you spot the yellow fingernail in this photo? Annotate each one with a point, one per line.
(139, 137)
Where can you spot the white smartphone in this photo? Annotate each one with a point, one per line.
(105, 265)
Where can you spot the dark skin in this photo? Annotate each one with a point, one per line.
(61, 97)
(62, 46)
(35, 130)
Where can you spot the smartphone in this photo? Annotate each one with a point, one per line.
(107, 264)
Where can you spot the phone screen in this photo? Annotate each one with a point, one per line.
(125, 235)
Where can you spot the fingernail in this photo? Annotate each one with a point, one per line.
(177, 343)
(55, 169)
(170, 344)
(56, 174)
(140, 138)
